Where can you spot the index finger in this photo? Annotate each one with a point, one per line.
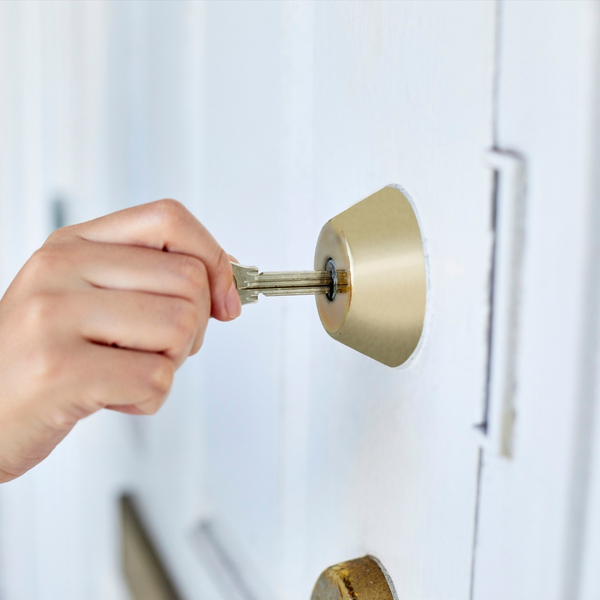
(167, 225)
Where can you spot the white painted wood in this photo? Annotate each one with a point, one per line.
(244, 137)
(587, 574)
(58, 528)
(393, 463)
(369, 459)
(532, 514)
(281, 452)
(267, 119)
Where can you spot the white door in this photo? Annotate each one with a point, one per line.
(539, 511)
(469, 472)
(314, 453)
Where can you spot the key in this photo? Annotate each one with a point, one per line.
(250, 282)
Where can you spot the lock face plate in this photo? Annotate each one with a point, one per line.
(378, 241)
(359, 578)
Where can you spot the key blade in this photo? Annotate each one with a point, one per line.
(292, 279)
(293, 275)
(250, 283)
(295, 291)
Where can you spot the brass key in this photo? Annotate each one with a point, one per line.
(250, 282)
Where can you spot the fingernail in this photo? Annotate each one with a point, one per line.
(233, 306)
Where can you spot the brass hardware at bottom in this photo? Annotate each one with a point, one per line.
(358, 579)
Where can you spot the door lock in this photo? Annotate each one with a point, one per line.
(377, 242)
(369, 278)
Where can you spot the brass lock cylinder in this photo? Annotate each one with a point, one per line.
(378, 243)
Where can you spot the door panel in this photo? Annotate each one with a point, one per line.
(280, 452)
(317, 454)
(533, 527)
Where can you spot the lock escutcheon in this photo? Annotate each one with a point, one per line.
(378, 242)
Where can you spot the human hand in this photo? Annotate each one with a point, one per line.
(101, 316)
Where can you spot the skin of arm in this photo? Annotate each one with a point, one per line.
(101, 316)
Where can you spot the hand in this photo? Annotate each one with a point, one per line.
(101, 317)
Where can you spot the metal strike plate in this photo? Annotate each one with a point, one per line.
(361, 578)
(378, 242)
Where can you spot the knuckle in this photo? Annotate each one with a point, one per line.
(8, 474)
(47, 258)
(95, 397)
(39, 311)
(45, 365)
(169, 210)
(197, 344)
(193, 271)
(160, 379)
(186, 321)
(63, 420)
(222, 262)
(60, 234)
(52, 257)
(197, 288)
(150, 407)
